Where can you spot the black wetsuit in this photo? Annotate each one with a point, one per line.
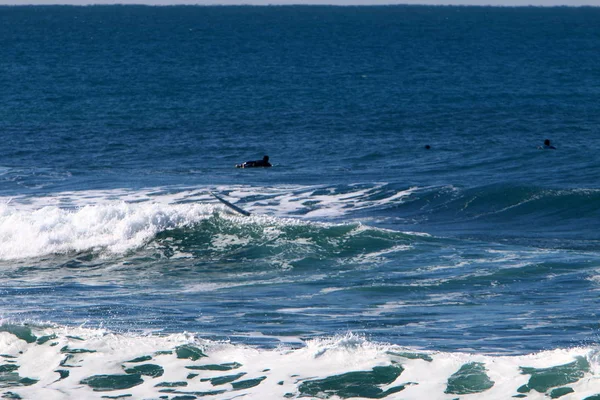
(255, 164)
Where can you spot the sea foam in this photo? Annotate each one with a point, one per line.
(112, 228)
(55, 362)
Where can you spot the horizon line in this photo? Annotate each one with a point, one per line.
(333, 3)
(33, 4)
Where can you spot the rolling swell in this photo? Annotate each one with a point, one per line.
(536, 216)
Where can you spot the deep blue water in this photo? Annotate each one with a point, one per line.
(117, 121)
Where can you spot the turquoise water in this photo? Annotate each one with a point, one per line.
(370, 267)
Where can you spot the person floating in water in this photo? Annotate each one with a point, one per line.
(255, 164)
(547, 145)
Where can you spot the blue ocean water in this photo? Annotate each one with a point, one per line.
(371, 267)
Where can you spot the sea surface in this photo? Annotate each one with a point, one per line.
(370, 266)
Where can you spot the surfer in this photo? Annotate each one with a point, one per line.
(547, 145)
(255, 164)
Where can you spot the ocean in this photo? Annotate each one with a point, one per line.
(370, 267)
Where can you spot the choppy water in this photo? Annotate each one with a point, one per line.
(369, 268)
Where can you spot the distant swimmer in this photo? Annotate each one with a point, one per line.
(264, 163)
(547, 145)
(427, 147)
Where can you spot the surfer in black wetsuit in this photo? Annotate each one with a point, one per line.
(547, 145)
(264, 163)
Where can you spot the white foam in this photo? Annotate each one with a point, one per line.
(331, 290)
(221, 241)
(284, 368)
(309, 202)
(111, 228)
(281, 201)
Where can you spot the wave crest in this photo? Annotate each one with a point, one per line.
(111, 228)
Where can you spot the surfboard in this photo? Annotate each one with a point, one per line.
(228, 204)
